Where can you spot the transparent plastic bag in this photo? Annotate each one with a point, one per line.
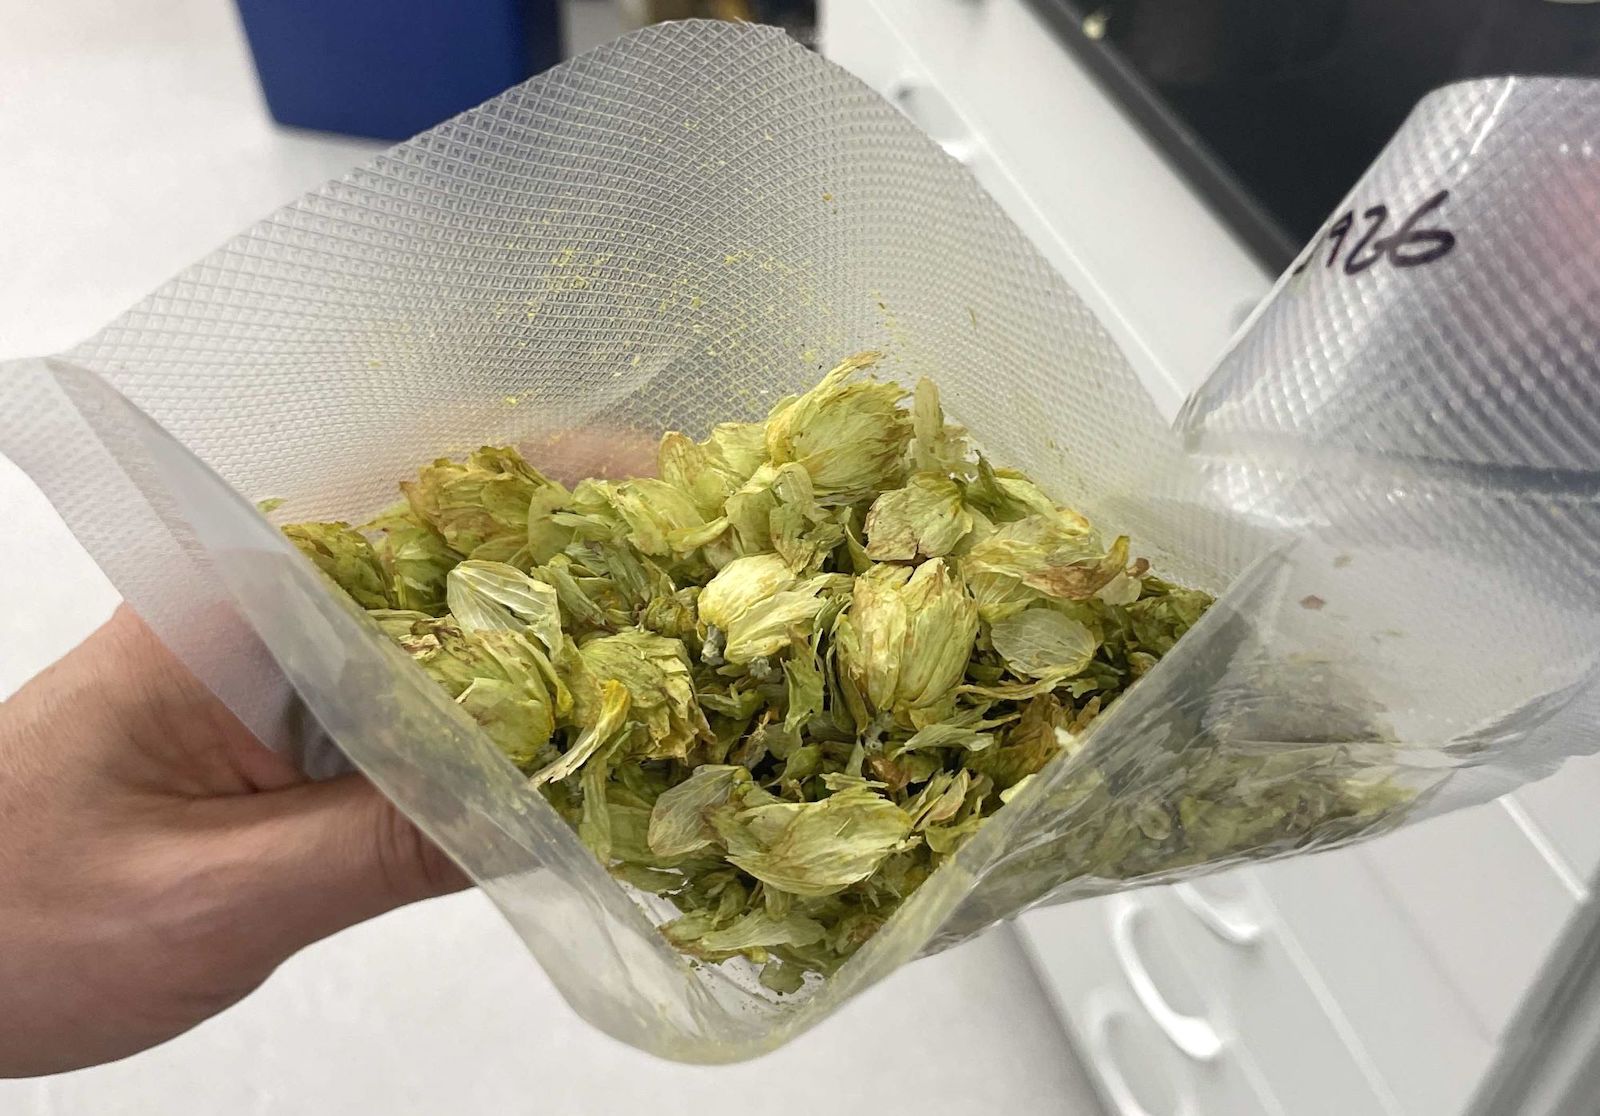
(1388, 481)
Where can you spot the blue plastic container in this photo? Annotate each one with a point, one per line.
(391, 68)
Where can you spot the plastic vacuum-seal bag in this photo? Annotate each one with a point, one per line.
(1389, 483)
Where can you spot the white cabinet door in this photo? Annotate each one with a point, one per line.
(1562, 811)
(1482, 898)
(1403, 1014)
(1375, 979)
(1105, 965)
(989, 80)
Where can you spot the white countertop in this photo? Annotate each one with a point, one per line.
(135, 140)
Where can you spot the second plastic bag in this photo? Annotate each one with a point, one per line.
(1393, 503)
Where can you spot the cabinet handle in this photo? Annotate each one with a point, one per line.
(1192, 1034)
(1235, 926)
(908, 93)
(1110, 1072)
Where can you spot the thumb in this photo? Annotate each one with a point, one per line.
(312, 859)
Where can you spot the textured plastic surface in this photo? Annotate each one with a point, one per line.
(685, 225)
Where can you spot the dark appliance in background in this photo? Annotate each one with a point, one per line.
(1273, 108)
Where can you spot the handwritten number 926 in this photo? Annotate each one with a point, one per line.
(1355, 238)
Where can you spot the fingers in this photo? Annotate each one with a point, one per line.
(310, 860)
(178, 737)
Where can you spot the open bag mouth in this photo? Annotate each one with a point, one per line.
(678, 229)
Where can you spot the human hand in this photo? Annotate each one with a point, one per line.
(157, 862)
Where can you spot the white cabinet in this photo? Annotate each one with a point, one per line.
(1402, 1013)
(1482, 898)
(1562, 811)
(1106, 963)
(1376, 979)
(989, 81)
